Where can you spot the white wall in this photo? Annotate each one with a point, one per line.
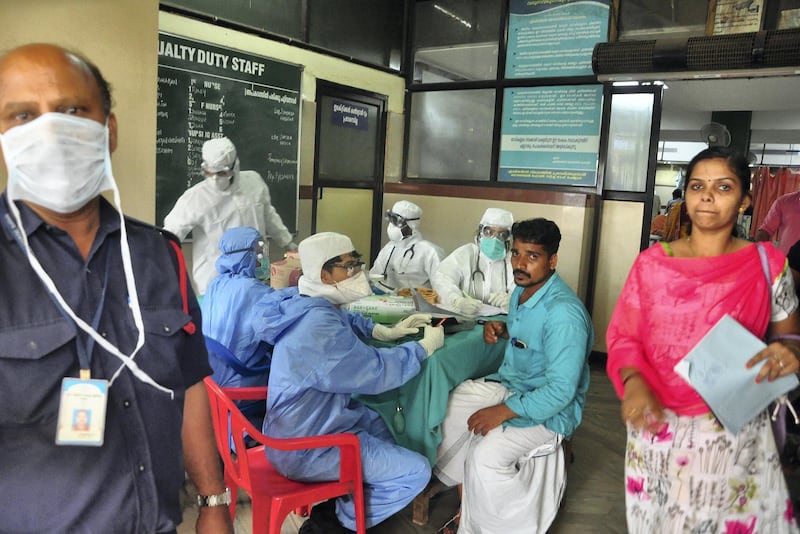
(120, 37)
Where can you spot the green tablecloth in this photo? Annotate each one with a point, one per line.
(424, 397)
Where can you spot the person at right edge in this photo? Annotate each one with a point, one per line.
(684, 472)
(479, 271)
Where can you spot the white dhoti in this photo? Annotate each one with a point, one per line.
(514, 478)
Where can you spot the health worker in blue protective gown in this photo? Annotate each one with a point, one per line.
(243, 359)
(320, 360)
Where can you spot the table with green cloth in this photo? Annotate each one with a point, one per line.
(423, 399)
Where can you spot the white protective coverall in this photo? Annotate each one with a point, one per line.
(468, 270)
(207, 212)
(410, 261)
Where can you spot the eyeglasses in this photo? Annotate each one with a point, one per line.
(225, 172)
(351, 268)
(398, 220)
(502, 235)
(258, 248)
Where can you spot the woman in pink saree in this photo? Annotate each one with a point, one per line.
(683, 471)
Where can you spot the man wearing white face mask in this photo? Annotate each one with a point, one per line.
(319, 361)
(407, 260)
(480, 271)
(94, 313)
(226, 198)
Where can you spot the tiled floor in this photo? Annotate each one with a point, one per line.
(595, 499)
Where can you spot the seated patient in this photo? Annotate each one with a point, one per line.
(407, 260)
(502, 433)
(228, 312)
(320, 360)
(478, 271)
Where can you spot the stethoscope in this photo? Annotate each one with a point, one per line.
(478, 272)
(405, 254)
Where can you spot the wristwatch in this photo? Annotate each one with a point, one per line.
(221, 499)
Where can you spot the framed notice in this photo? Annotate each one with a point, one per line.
(549, 38)
(551, 135)
(738, 16)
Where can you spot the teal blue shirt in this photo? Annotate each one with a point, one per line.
(547, 368)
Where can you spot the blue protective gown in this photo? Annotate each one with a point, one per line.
(228, 310)
(319, 362)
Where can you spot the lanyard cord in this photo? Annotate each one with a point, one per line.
(85, 350)
(127, 360)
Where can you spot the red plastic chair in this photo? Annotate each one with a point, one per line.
(273, 495)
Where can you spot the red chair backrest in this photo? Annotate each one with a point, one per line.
(228, 420)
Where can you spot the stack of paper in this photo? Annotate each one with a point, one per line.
(715, 368)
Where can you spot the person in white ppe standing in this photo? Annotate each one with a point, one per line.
(226, 198)
(408, 260)
(480, 271)
(319, 361)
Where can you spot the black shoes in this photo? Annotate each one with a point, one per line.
(323, 520)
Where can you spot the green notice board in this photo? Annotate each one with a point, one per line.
(207, 91)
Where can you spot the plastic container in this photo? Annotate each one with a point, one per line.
(286, 272)
(386, 309)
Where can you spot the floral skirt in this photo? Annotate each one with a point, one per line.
(695, 477)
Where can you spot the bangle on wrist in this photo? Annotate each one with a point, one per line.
(632, 375)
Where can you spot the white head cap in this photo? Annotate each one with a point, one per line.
(407, 209)
(498, 218)
(218, 154)
(315, 250)
(410, 211)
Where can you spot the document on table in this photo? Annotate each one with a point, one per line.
(715, 368)
(442, 310)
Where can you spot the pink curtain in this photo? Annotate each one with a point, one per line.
(769, 184)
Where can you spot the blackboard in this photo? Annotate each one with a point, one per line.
(207, 91)
(283, 17)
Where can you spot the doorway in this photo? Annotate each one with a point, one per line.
(628, 205)
(348, 164)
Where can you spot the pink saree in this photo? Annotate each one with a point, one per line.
(694, 476)
(668, 304)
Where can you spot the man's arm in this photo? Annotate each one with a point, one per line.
(180, 220)
(761, 235)
(202, 461)
(771, 224)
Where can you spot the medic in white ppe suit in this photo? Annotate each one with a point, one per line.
(319, 361)
(407, 260)
(228, 311)
(479, 272)
(226, 198)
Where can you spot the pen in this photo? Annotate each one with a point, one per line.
(518, 343)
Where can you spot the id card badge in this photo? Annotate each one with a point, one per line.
(82, 412)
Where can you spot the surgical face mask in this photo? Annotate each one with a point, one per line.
(220, 182)
(57, 161)
(492, 248)
(395, 233)
(354, 288)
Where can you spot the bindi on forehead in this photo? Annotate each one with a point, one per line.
(719, 179)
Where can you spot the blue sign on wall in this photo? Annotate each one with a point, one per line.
(551, 135)
(549, 38)
(349, 115)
